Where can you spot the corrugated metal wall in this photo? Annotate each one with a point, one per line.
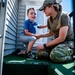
(21, 18)
(11, 22)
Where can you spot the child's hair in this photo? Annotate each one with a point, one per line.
(30, 9)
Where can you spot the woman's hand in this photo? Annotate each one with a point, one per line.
(40, 47)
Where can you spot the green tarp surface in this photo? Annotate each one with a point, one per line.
(18, 65)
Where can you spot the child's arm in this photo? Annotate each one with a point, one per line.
(44, 26)
(31, 34)
(28, 33)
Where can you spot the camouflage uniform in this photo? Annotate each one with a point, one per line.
(63, 51)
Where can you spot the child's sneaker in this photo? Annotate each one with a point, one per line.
(16, 52)
(30, 55)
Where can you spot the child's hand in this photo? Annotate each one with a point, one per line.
(38, 36)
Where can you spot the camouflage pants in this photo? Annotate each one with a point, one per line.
(62, 52)
(59, 53)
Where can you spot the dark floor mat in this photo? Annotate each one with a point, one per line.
(18, 65)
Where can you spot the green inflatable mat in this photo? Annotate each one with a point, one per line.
(18, 65)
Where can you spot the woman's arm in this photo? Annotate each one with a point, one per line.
(59, 39)
(42, 26)
(47, 34)
(62, 36)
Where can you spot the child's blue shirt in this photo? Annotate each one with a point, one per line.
(30, 26)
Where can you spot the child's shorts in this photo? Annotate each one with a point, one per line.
(25, 38)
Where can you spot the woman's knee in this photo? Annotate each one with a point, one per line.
(61, 53)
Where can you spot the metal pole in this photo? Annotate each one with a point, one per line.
(74, 25)
(73, 3)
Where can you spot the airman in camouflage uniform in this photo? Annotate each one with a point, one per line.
(61, 47)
